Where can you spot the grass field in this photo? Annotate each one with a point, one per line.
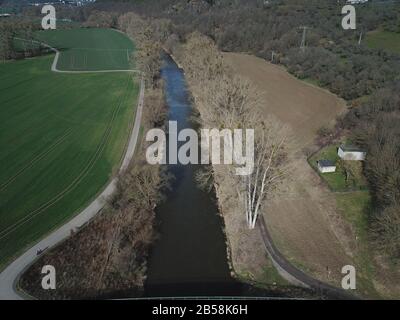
(389, 41)
(61, 135)
(89, 49)
(355, 207)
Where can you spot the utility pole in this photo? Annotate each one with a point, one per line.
(359, 40)
(303, 40)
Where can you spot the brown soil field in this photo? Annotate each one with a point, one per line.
(302, 106)
(303, 217)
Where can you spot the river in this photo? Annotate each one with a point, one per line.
(189, 258)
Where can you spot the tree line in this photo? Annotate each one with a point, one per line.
(17, 28)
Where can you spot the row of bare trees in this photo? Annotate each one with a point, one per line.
(149, 35)
(101, 19)
(229, 101)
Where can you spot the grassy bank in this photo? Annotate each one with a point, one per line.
(354, 208)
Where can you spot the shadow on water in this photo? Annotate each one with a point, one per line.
(189, 258)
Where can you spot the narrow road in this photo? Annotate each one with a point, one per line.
(294, 275)
(10, 275)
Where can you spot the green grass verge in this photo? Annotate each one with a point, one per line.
(313, 82)
(389, 41)
(271, 276)
(354, 208)
(62, 137)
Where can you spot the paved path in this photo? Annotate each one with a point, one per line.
(10, 275)
(294, 275)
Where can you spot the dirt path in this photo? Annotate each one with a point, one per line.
(10, 275)
(302, 218)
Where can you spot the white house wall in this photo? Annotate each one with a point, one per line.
(351, 156)
(327, 169)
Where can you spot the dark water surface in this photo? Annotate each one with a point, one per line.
(189, 258)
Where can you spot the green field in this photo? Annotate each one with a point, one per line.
(89, 49)
(61, 135)
(389, 41)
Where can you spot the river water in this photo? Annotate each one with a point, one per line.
(189, 258)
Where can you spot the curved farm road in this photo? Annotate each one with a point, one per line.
(10, 275)
(302, 220)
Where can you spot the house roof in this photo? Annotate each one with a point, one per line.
(326, 163)
(351, 148)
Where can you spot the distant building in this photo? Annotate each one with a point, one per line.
(326, 166)
(74, 3)
(351, 153)
(357, 1)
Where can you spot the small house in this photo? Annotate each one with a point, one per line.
(326, 166)
(351, 153)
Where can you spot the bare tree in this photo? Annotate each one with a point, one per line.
(228, 101)
(148, 36)
(202, 59)
(269, 169)
(147, 59)
(101, 19)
